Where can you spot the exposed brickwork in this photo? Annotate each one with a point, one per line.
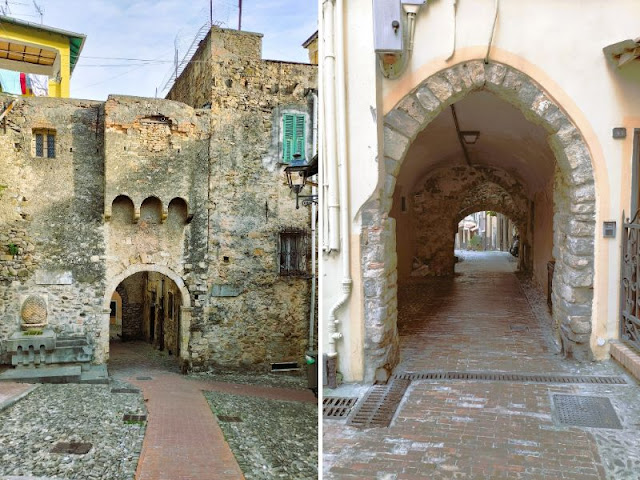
(627, 357)
(482, 429)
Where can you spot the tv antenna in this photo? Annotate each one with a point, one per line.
(39, 10)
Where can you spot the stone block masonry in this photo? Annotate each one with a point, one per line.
(146, 185)
(574, 191)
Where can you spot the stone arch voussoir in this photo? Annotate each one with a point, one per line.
(574, 198)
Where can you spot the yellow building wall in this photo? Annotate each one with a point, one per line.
(46, 40)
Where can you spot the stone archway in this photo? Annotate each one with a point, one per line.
(574, 205)
(185, 308)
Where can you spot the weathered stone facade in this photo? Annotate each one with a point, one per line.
(152, 187)
(451, 193)
(574, 205)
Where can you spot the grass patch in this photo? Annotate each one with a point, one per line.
(32, 332)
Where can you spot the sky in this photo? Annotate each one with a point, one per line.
(130, 45)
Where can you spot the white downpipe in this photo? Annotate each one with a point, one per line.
(314, 216)
(453, 29)
(330, 126)
(342, 166)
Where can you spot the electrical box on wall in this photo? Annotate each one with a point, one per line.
(387, 26)
(609, 229)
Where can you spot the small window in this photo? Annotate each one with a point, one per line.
(293, 252)
(45, 143)
(293, 141)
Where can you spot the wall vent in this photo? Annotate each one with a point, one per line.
(284, 366)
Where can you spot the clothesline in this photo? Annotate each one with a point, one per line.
(18, 83)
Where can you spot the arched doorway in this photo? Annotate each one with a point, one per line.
(155, 307)
(532, 163)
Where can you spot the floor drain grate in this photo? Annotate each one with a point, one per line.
(337, 407)
(511, 377)
(227, 418)
(132, 417)
(125, 390)
(73, 448)
(144, 378)
(583, 411)
(380, 404)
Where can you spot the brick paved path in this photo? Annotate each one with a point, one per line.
(11, 392)
(183, 440)
(483, 430)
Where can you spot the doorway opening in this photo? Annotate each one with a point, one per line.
(146, 306)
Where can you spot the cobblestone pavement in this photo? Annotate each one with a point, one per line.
(274, 439)
(482, 321)
(184, 440)
(71, 413)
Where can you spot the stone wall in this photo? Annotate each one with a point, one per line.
(446, 197)
(157, 180)
(52, 212)
(132, 293)
(144, 185)
(264, 318)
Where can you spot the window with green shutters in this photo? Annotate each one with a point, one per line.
(292, 137)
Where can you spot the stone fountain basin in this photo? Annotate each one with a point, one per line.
(19, 339)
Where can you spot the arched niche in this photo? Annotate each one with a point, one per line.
(151, 210)
(122, 210)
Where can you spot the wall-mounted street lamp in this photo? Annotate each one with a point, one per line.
(297, 176)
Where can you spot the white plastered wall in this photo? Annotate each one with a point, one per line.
(558, 44)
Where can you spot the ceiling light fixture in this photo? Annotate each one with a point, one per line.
(470, 137)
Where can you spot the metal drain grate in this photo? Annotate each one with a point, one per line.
(227, 418)
(511, 377)
(380, 404)
(337, 407)
(132, 417)
(583, 411)
(73, 448)
(144, 378)
(125, 390)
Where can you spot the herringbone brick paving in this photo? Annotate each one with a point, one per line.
(483, 430)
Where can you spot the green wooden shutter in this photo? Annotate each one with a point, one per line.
(299, 136)
(292, 137)
(288, 133)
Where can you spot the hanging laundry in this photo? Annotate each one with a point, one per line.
(29, 87)
(10, 81)
(23, 83)
(39, 84)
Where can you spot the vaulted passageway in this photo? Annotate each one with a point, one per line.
(479, 137)
(145, 307)
(477, 320)
(477, 158)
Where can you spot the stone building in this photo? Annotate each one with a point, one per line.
(169, 220)
(402, 96)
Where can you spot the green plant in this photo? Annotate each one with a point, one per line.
(475, 243)
(13, 249)
(134, 422)
(33, 332)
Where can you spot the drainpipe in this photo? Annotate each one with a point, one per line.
(334, 323)
(314, 214)
(329, 84)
